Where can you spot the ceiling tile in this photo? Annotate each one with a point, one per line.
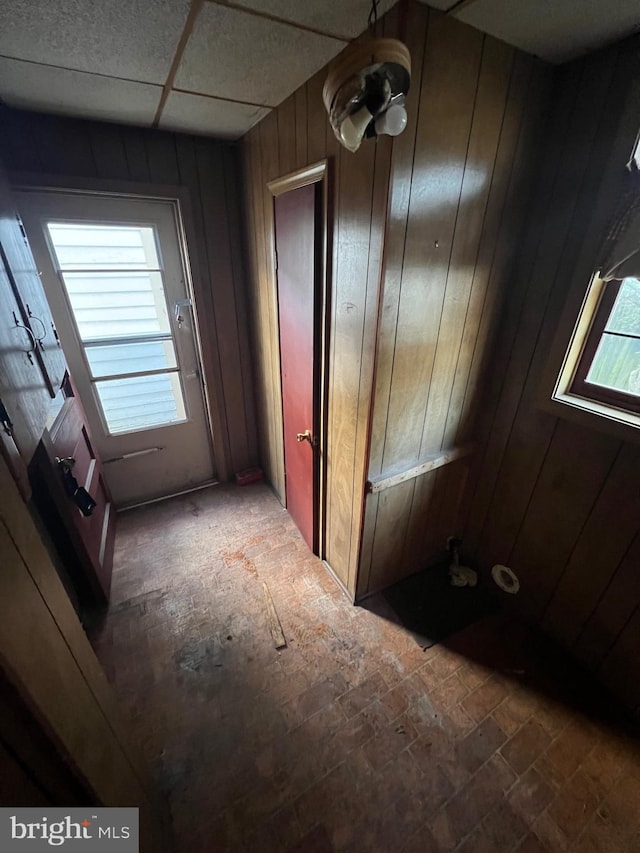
(335, 17)
(243, 57)
(27, 85)
(135, 39)
(553, 30)
(210, 116)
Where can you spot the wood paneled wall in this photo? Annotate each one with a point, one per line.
(209, 169)
(558, 502)
(46, 658)
(461, 176)
(295, 135)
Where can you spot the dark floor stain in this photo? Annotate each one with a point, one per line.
(194, 509)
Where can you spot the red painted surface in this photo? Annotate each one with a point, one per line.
(70, 438)
(295, 235)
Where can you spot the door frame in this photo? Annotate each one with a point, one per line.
(316, 173)
(180, 198)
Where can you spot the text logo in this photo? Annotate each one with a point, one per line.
(75, 829)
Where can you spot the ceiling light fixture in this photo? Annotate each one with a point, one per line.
(365, 90)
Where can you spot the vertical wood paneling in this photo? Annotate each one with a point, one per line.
(450, 79)
(491, 95)
(286, 115)
(78, 149)
(161, 158)
(455, 183)
(399, 195)
(136, 154)
(108, 151)
(506, 386)
(521, 133)
(232, 182)
(294, 135)
(584, 96)
(619, 670)
(270, 159)
(617, 510)
(316, 119)
(349, 344)
(65, 153)
(556, 501)
(211, 172)
(301, 127)
(381, 167)
(200, 265)
(395, 235)
(613, 609)
(335, 155)
(458, 178)
(451, 63)
(563, 496)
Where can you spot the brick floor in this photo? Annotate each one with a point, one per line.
(353, 738)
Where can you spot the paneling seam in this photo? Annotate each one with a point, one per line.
(451, 248)
(478, 250)
(587, 518)
(404, 242)
(526, 292)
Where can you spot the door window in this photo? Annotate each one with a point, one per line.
(113, 280)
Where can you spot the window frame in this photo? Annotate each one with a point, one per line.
(160, 297)
(555, 395)
(580, 386)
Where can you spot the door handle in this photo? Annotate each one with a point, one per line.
(80, 496)
(306, 436)
(41, 337)
(32, 337)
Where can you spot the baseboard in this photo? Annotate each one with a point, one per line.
(168, 497)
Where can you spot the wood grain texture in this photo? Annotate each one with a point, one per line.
(554, 500)
(208, 169)
(275, 626)
(357, 197)
(47, 658)
(444, 230)
(437, 460)
(616, 508)
(458, 176)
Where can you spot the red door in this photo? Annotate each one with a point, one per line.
(295, 217)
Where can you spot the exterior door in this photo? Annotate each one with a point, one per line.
(295, 229)
(116, 276)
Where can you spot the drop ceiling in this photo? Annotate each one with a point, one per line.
(217, 68)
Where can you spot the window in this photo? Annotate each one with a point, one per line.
(608, 370)
(598, 383)
(113, 280)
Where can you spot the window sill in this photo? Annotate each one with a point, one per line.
(591, 414)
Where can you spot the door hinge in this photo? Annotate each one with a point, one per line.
(276, 251)
(5, 420)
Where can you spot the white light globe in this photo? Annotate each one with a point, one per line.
(393, 121)
(353, 128)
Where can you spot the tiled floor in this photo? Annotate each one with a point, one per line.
(353, 738)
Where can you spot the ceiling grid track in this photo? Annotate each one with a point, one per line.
(194, 11)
